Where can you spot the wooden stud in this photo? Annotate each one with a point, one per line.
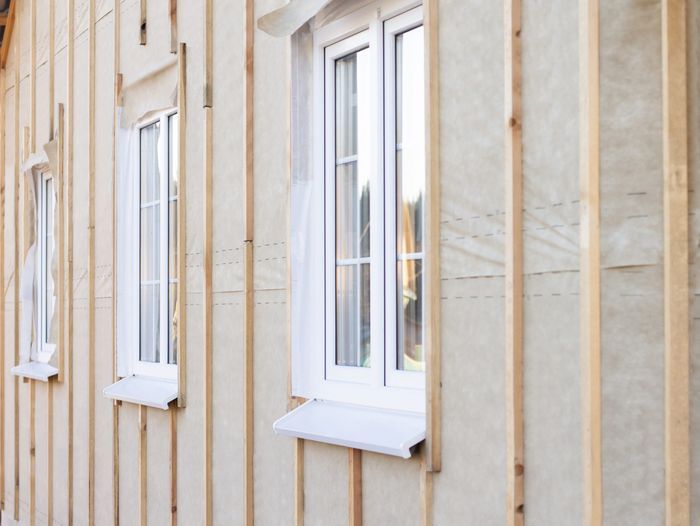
(182, 228)
(32, 74)
(589, 93)
(248, 282)
(18, 266)
(676, 271)
(143, 465)
(173, 26)
(52, 68)
(3, 179)
(207, 318)
(32, 452)
(354, 487)
(208, 51)
(249, 118)
(207, 257)
(248, 395)
(514, 264)
(58, 181)
(143, 30)
(70, 98)
(432, 263)
(7, 35)
(118, 81)
(426, 490)
(299, 482)
(91, 263)
(173, 466)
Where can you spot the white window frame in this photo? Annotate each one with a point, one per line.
(392, 28)
(319, 376)
(44, 349)
(161, 369)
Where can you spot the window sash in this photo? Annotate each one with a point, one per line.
(162, 368)
(383, 372)
(396, 377)
(44, 257)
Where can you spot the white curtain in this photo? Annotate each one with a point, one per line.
(28, 286)
(127, 239)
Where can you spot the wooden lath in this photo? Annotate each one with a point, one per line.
(8, 20)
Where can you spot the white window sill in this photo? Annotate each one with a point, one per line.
(143, 390)
(378, 430)
(35, 371)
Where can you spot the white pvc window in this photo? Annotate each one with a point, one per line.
(371, 79)
(46, 200)
(157, 219)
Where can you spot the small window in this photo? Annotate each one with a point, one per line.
(365, 210)
(156, 354)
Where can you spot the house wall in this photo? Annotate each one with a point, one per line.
(472, 486)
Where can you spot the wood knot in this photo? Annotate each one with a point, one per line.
(520, 509)
(512, 122)
(517, 33)
(519, 469)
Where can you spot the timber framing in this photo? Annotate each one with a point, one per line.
(9, 23)
(589, 136)
(676, 256)
(514, 264)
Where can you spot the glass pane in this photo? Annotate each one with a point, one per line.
(150, 243)
(172, 239)
(150, 173)
(410, 191)
(352, 214)
(172, 306)
(149, 350)
(410, 141)
(49, 298)
(353, 160)
(410, 355)
(352, 331)
(173, 148)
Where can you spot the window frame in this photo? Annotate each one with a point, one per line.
(319, 376)
(395, 377)
(161, 369)
(45, 182)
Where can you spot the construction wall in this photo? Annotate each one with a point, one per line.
(151, 465)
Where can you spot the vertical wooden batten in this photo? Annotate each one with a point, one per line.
(58, 182)
(91, 263)
(17, 264)
(32, 149)
(118, 79)
(207, 319)
(514, 264)
(354, 487)
(676, 270)
(3, 306)
(589, 94)
(143, 28)
(60, 299)
(173, 466)
(207, 258)
(70, 93)
(248, 269)
(432, 262)
(143, 465)
(182, 227)
(173, 26)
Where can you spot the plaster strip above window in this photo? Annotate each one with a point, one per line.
(143, 390)
(378, 430)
